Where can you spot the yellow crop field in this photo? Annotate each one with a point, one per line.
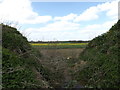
(47, 44)
(59, 45)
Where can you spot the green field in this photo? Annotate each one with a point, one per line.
(58, 45)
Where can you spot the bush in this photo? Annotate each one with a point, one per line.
(102, 55)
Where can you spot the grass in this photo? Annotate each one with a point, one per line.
(58, 45)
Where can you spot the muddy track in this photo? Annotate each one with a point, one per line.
(58, 60)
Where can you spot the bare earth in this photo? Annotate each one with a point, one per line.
(63, 53)
(57, 60)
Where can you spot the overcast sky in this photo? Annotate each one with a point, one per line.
(48, 21)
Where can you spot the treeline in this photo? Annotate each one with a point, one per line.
(80, 41)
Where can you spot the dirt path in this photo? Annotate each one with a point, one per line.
(59, 60)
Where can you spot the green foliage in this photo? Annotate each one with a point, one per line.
(13, 40)
(59, 46)
(101, 55)
(15, 73)
(20, 61)
(22, 66)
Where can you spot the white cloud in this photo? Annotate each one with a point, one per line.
(64, 30)
(68, 27)
(56, 26)
(21, 11)
(37, 19)
(57, 30)
(89, 14)
(62, 25)
(109, 8)
(97, 29)
(71, 16)
(92, 13)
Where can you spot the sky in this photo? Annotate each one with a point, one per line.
(49, 21)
